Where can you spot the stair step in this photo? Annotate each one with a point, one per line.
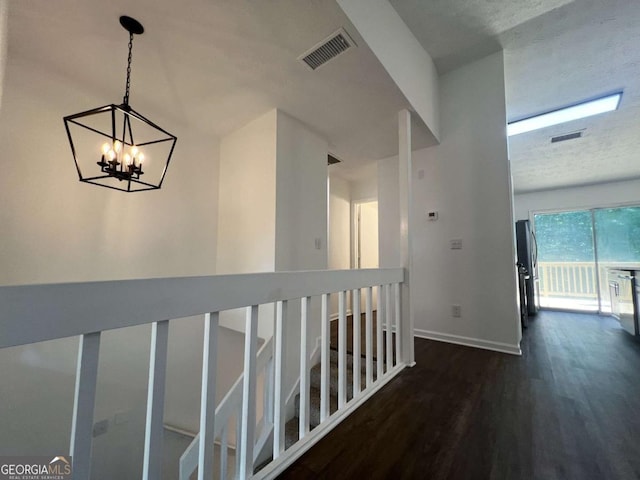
(314, 406)
(316, 376)
(291, 432)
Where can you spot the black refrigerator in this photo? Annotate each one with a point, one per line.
(527, 258)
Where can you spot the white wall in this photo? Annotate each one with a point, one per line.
(465, 179)
(602, 195)
(301, 197)
(339, 223)
(247, 198)
(364, 185)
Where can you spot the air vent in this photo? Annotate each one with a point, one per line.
(566, 136)
(327, 49)
(331, 160)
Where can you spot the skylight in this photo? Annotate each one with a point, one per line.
(567, 114)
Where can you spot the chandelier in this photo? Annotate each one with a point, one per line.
(116, 147)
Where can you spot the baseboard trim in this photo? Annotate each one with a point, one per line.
(469, 342)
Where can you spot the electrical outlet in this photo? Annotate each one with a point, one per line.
(100, 428)
(456, 311)
(456, 244)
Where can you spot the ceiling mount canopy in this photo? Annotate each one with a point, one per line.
(119, 140)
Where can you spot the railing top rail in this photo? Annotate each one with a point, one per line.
(35, 313)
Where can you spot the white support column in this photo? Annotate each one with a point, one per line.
(208, 397)
(305, 306)
(84, 404)
(247, 433)
(405, 189)
(325, 359)
(279, 399)
(357, 370)
(342, 350)
(154, 430)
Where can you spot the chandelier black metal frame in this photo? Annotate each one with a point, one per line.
(112, 140)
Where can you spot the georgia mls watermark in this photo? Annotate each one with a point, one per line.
(35, 468)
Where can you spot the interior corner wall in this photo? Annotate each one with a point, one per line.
(301, 197)
(602, 195)
(466, 180)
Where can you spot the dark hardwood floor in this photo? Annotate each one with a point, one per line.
(569, 408)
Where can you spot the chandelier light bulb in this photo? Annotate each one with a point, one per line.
(105, 148)
(117, 146)
(134, 151)
(140, 158)
(127, 159)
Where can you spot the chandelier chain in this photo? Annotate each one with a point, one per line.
(126, 94)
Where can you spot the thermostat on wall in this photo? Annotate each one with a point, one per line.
(433, 216)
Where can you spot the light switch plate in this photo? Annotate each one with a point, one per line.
(456, 244)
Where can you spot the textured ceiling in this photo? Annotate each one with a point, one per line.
(580, 51)
(557, 52)
(455, 32)
(215, 66)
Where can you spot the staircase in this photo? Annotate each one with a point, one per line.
(292, 429)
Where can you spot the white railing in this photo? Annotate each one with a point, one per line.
(31, 314)
(574, 279)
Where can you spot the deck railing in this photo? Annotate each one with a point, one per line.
(31, 314)
(574, 279)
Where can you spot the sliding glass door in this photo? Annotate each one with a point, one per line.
(617, 235)
(566, 261)
(575, 251)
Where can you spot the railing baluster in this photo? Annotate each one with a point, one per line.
(368, 331)
(396, 288)
(238, 435)
(247, 435)
(305, 305)
(342, 350)
(224, 451)
(355, 310)
(388, 320)
(279, 395)
(324, 358)
(208, 397)
(84, 404)
(154, 430)
(379, 344)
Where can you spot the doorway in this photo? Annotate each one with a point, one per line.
(365, 241)
(577, 248)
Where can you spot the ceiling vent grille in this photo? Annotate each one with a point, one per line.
(566, 136)
(332, 46)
